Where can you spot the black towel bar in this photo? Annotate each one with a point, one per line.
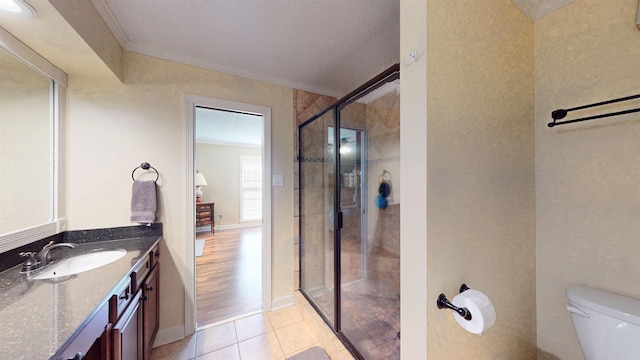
(562, 113)
(145, 166)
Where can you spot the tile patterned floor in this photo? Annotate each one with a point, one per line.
(274, 335)
(370, 319)
(370, 314)
(372, 324)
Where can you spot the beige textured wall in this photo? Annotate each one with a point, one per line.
(86, 21)
(587, 174)
(413, 179)
(480, 180)
(113, 127)
(220, 165)
(51, 36)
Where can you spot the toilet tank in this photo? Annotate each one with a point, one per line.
(607, 324)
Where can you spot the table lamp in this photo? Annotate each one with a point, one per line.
(200, 181)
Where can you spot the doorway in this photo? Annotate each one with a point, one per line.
(228, 225)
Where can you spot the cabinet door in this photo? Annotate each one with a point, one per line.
(127, 332)
(105, 349)
(151, 305)
(89, 343)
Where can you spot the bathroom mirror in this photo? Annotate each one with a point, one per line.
(25, 143)
(31, 99)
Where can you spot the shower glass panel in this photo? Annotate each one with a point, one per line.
(317, 199)
(349, 182)
(370, 236)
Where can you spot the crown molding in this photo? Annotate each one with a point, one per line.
(112, 23)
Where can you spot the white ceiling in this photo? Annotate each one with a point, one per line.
(325, 46)
(228, 128)
(537, 9)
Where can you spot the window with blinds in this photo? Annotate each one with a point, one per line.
(251, 188)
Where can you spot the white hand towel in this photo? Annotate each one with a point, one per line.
(143, 202)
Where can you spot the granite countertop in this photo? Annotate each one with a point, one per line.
(38, 316)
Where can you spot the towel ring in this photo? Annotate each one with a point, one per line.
(386, 176)
(145, 166)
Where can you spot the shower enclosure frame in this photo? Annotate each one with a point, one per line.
(389, 75)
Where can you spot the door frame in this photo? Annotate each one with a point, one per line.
(191, 101)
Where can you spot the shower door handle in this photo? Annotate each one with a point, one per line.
(340, 224)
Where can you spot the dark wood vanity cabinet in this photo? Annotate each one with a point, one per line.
(126, 335)
(135, 331)
(125, 327)
(151, 299)
(93, 342)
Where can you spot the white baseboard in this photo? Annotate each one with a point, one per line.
(281, 302)
(203, 228)
(229, 226)
(169, 335)
(239, 226)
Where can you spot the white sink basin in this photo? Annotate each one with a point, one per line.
(80, 263)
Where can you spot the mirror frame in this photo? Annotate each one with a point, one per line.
(22, 52)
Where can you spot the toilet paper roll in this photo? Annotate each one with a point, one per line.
(483, 314)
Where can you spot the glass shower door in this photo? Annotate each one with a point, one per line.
(370, 235)
(317, 213)
(349, 211)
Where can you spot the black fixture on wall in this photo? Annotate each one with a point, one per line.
(562, 113)
(145, 166)
(444, 303)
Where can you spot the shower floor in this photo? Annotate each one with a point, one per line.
(370, 320)
(372, 323)
(370, 283)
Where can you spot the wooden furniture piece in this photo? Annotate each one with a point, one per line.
(151, 314)
(142, 313)
(125, 327)
(127, 332)
(204, 214)
(94, 341)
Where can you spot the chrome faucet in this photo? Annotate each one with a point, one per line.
(44, 256)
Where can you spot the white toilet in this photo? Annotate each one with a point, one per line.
(607, 325)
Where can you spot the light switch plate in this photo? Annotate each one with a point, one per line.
(278, 180)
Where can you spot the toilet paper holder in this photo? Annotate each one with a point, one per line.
(444, 303)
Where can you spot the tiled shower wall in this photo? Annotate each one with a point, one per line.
(306, 105)
(371, 290)
(381, 120)
(383, 225)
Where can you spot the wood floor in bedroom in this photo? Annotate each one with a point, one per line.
(229, 274)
